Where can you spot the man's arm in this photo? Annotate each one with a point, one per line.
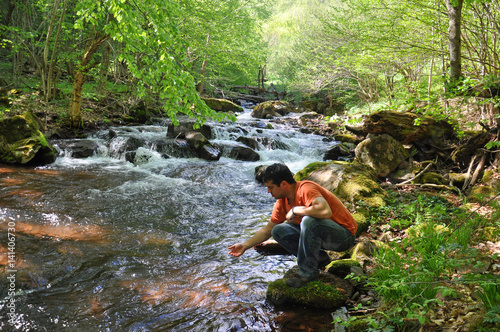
(319, 209)
(260, 236)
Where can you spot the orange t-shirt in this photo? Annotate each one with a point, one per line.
(305, 193)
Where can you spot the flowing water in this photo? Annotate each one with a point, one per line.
(103, 244)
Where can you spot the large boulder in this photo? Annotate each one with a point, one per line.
(222, 105)
(269, 109)
(22, 142)
(408, 127)
(350, 182)
(382, 152)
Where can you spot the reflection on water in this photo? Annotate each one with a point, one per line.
(102, 244)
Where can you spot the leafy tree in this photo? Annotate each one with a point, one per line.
(152, 49)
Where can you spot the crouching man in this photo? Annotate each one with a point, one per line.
(306, 220)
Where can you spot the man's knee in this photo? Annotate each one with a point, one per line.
(277, 231)
(307, 222)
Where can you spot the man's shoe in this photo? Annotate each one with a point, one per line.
(298, 281)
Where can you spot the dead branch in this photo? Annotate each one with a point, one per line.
(430, 163)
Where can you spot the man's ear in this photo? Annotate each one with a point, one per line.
(284, 184)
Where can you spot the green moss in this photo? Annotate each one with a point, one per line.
(363, 188)
(362, 221)
(304, 173)
(342, 267)
(316, 294)
(431, 177)
(480, 194)
(346, 138)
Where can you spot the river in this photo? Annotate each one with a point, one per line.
(102, 244)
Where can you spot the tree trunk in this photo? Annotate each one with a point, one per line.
(201, 85)
(454, 28)
(103, 72)
(74, 111)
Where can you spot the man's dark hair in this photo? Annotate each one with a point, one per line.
(278, 173)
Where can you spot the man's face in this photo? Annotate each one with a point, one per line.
(276, 191)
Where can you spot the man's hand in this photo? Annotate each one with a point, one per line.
(237, 249)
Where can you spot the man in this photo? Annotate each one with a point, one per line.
(306, 219)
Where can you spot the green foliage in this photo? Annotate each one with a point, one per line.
(411, 273)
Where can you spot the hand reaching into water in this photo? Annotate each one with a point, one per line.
(237, 250)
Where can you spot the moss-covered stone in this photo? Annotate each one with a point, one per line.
(222, 105)
(432, 178)
(480, 194)
(342, 267)
(346, 138)
(269, 109)
(457, 179)
(328, 292)
(350, 182)
(362, 221)
(382, 152)
(366, 250)
(402, 126)
(22, 142)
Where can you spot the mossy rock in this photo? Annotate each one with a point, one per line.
(402, 127)
(342, 267)
(347, 138)
(22, 142)
(269, 109)
(480, 194)
(328, 292)
(457, 179)
(432, 178)
(362, 221)
(350, 182)
(366, 250)
(222, 105)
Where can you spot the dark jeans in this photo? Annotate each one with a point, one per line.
(307, 240)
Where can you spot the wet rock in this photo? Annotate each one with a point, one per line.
(209, 152)
(183, 128)
(177, 148)
(382, 152)
(118, 146)
(337, 152)
(22, 142)
(204, 149)
(273, 144)
(78, 148)
(259, 172)
(250, 142)
(244, 153)
(328, 292)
